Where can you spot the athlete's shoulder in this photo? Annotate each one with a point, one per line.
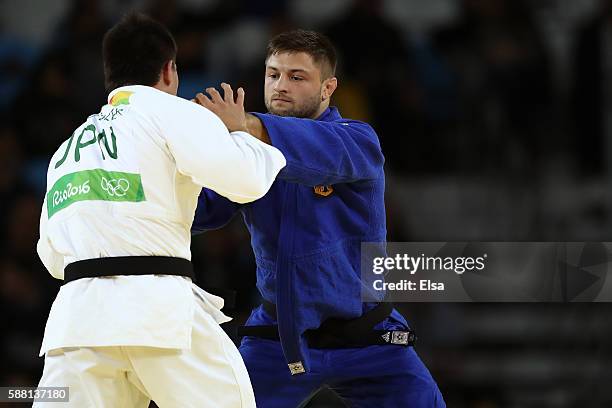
(333, 115)
(140, 96)
(170, 108)
(57, 155)
(358, 128)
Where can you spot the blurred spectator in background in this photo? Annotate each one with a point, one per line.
(501, 91)
(11, 157)
(591, 92)
(373, 66)
(50, 104)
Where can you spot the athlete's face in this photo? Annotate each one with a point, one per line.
(293, 86)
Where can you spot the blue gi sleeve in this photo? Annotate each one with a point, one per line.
(213, 212)
(320, 152)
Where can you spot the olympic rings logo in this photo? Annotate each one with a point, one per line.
(115, 187)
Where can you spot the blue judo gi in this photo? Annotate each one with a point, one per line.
(306, 234)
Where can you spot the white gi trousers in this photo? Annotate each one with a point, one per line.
(210, 374)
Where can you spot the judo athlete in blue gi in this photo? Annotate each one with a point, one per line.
(313, 329)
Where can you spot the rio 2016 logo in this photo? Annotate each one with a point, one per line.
(115, 187)
(70, 191)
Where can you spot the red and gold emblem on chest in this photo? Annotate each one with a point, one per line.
(323, 190)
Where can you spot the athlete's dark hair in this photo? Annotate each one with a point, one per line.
(318, 46)
(135, 51)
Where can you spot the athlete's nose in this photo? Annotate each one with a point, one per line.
(280, 86)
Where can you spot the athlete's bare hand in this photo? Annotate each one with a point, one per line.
(228, 109)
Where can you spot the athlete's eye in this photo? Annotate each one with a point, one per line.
(297, 78)
(273, 76)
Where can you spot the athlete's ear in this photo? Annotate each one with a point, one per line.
(167, 73)
(329, 86)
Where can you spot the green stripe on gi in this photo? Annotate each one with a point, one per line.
(95, 184)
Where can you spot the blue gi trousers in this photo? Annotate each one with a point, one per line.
(374, 376)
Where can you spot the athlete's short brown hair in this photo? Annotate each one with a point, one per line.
(315, 44)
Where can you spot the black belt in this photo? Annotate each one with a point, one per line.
(339, 333)
(128, 265)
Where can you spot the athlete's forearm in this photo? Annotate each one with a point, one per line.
(257, 129)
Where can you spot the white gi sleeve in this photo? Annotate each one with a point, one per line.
(53, 261)
(235, 165)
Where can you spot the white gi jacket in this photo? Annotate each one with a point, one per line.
(126, 184)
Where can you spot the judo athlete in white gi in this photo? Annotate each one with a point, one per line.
(128, 325)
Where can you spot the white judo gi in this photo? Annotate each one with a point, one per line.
(126, 184)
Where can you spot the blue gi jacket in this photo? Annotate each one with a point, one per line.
(306, 243)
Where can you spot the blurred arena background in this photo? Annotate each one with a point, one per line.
(495, 117)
